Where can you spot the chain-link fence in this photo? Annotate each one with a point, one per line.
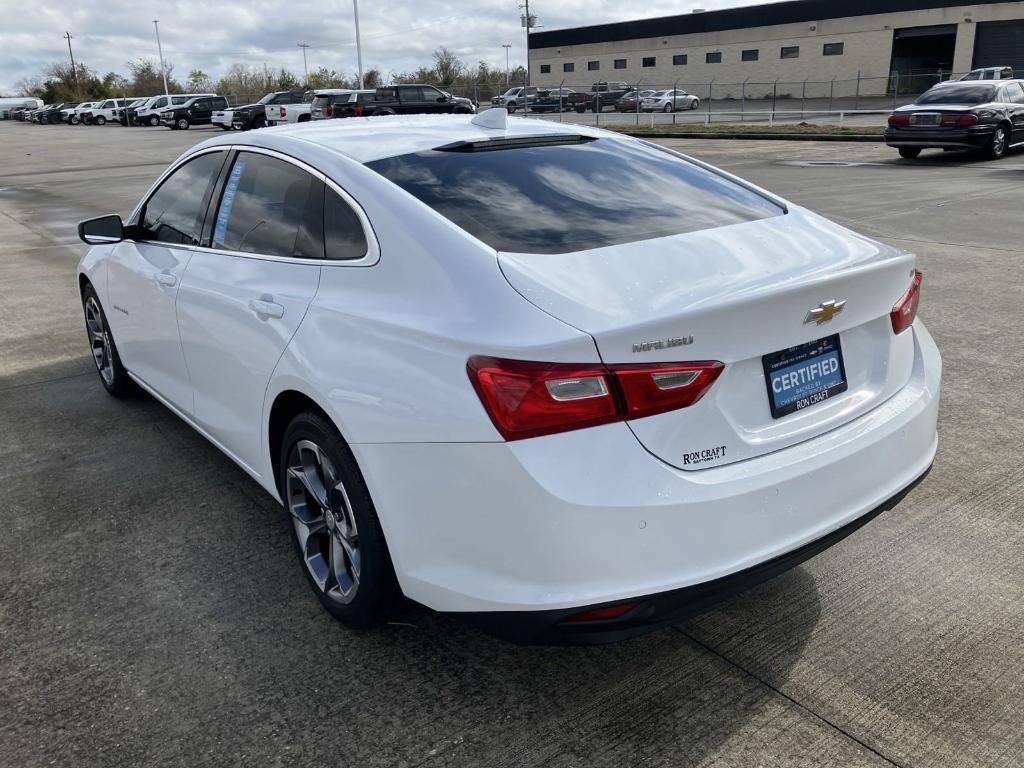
(683, 100)
(754, 99)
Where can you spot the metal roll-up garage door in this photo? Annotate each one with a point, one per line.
(1000, 43)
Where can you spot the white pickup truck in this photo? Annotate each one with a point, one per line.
(281, 114)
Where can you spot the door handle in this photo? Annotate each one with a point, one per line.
(264, 308)
(166, 278)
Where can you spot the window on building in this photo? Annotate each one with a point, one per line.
(593, 65)
(620, 63)
(679, 60)
(569, 67)
(649, 61)
(790, 52)
(751, 54)
(714, 57)
(545, 69)
(832, 49)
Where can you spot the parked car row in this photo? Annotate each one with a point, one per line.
(182, 111)
(603, 95)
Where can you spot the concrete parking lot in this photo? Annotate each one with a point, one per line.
(152, 612)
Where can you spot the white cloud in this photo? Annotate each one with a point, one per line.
(397, 36)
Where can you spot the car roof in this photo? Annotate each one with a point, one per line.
(331, 91)
(373, 138)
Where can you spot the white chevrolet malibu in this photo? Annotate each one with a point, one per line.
(567, 384)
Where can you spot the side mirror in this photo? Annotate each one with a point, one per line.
(105, 229)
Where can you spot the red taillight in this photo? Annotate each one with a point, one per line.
(329, 110)
(953, 119)
(651, 389)
(607, 612)
(529, 399)
(358, 110)
(899, 119)
(905, 310)
(282, 111)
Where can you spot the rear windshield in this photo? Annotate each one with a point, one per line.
(959, 94)
(573, 197)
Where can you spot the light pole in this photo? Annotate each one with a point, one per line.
(305, 67)
(359, 48)
(74, 72)
(160, 50)
(506, 46)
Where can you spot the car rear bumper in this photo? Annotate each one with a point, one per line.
(525, 534)
(974, 137)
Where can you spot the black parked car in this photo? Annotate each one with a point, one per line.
(553, 100)
(988, 116)
(51, 115)
(197, 111)
(416, 100)
(251, 116)
(328, 104)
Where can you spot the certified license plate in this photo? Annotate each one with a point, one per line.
(925, 119)
(803, 376)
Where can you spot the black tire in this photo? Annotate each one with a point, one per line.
(154, 121)
(999, 143)
(909, 153)
(112, 373)
(74, 120)
(259, 122)
(581, 108)
(668, 107)
(511, 107)
(182, 124)
(462, 111)
(375, 589)
(695, 103)
(99, 120)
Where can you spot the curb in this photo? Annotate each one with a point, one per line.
(850, 137)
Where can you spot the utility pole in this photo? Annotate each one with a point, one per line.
(163, 69)
(74, 72)
(528, 23)
(359, 47)
(506, 46)
(305, 66)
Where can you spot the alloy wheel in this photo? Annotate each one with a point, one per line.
(999, 142)
(99, 341)
(324, 522)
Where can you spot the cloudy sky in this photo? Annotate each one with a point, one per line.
(212, 34)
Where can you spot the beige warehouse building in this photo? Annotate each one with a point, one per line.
(882, 45)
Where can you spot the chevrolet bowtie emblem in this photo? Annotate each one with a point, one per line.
(824, 312)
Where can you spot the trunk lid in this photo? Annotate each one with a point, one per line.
(734, 294)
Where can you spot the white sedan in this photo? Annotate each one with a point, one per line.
(669, 101)
(565, 383)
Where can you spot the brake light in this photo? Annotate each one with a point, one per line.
(965, 119)
(905, 310)
(282, 111)
(899, 119)
(529, 399)
(329, 110)
(358, 110)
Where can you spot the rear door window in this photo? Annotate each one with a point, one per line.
(175, 212)
(573, 196)
(270, 207)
